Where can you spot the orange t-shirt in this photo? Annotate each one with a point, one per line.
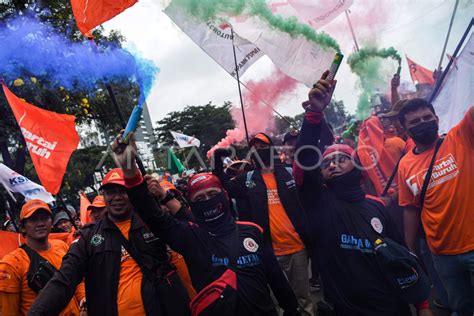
(13, 270)
(129, 296)
(285, 239)
(409, 145)
(394, 147)
(448, 211)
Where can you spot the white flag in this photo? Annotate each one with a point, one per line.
(15, 182)
(457, 93)
(315, 13)
(215, 39)
(185, 140)
(297, 57)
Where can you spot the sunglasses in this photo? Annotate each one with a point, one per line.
(337, 160)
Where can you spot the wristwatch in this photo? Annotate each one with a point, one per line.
(169, 196)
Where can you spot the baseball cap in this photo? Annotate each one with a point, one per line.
(98, 202)
(290, 135)
(396, 108)
(60, 216)
(114, 176)
(30, 207)
(402, 270)
(260, 137)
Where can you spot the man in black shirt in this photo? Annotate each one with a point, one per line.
(214, 242)
(345, 222)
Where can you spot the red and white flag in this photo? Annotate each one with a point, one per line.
(51, 138)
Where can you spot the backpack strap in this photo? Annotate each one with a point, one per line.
(290, 170)
(35, 261)
(392, 176)
(429, 172)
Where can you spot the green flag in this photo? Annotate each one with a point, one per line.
(174, 165)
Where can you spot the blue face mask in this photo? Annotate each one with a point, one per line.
(214, 214)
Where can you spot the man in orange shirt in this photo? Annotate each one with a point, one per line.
(18, 288)
(126, 267)
(273, 203)
(447, 214)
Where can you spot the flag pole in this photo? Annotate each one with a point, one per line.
(451, 61)
(352, 31)
(123, 123)
(10, 200)
(448, 34)
(238, 84)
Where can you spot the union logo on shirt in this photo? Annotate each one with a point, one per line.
(444, 170)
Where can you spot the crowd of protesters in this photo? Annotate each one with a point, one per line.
(257, 236)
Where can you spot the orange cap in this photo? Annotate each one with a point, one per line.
(166, 185)
(98, 202)
(114, 176)
(31, 207)
(260, 137)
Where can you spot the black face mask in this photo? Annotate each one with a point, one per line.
(214, 214)
(425, 133)
(347, 186)
(262, 156)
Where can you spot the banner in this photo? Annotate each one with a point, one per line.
(315, 13)
(92, 13)
(419, 74)
(457, 92)
(297, 57)
(51, 138)
(185, 140)
(377, 163)
(15, 182)
(215, 39)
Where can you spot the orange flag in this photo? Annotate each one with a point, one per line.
(91, 13)
(12, 240)
(51, 138)
(419, 74)
(85, 214)
(372, 154)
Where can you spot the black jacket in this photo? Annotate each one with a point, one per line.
(96, 257)
(255, 194)
(344, 233)
(207, 257)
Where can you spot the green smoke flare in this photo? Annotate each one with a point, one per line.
(206, 10)
(367, 67)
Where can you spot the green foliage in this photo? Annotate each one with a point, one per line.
(207, 122)
(80, 171)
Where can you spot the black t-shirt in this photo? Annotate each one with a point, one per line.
(344, 236)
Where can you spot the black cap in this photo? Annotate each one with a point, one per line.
(403, 271)
(290, 135)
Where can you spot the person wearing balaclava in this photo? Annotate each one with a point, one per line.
(447, 212)
(272, 202)
(344, 221)
(214, 246)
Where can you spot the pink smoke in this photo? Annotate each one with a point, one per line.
(260, 116)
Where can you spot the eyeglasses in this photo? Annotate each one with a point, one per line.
(337, 160)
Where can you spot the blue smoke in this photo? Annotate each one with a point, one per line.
(27, 44)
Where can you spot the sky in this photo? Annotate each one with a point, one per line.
(188, 76)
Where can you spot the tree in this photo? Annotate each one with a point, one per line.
(40, 91)
(336, 114)
(208, 123)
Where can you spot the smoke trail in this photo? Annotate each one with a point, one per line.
(211, 9)
(34, 47)
(368, 68)
(259, 116)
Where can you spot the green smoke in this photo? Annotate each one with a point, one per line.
(367, 67)
(206, 10)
